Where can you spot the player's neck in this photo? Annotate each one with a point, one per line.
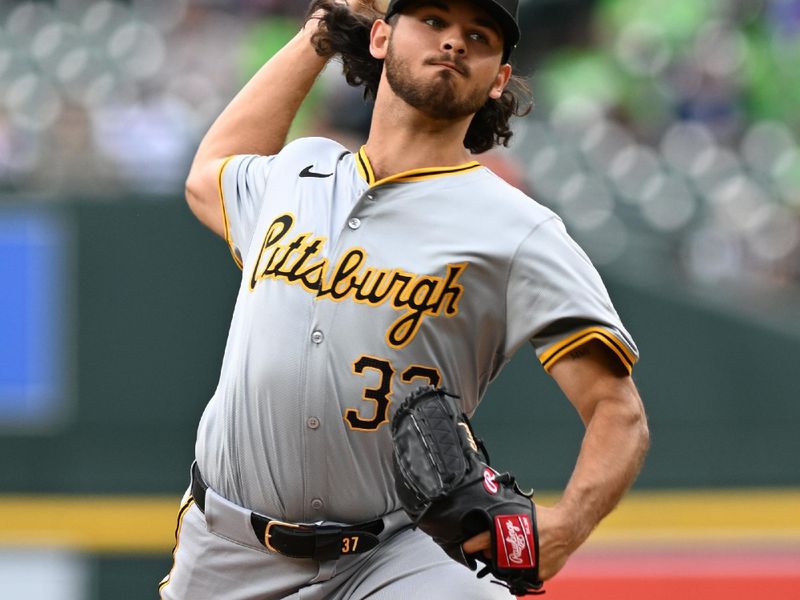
(402, 139)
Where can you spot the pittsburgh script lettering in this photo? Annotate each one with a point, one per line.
(296, 261)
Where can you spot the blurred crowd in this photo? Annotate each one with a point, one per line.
(670, 129)
(661, 128)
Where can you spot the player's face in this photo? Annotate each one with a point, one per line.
(443, 58)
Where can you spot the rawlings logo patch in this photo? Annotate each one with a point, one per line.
(489, 482)
(515, 547)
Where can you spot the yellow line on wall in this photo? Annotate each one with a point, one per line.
(101, 524)
(146, 524)
(719, 516)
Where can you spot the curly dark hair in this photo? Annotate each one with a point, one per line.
(346, 34)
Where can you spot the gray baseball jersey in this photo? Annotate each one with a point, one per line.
(354, 292)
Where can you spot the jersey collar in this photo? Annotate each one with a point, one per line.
(365, 170)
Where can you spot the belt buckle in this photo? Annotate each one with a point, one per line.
(267, 533)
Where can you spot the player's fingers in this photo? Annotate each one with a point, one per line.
(482, 541)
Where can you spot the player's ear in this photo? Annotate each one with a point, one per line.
(500, 82)
(379, 39)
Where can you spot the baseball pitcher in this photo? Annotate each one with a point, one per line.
(382, 290)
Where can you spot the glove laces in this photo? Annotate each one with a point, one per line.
(519, 587)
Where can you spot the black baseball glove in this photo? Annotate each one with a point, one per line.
(446, 486)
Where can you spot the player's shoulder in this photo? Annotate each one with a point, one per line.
(315, 151)
(541, 228)
(512, 201)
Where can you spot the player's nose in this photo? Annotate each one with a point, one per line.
(454, 42)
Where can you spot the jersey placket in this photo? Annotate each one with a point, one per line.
(323, 410)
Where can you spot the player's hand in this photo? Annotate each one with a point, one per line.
(555, 541)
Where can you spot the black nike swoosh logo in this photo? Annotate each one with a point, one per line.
(307, 172)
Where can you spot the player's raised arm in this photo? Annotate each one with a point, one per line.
(258, 119)
(255, 122)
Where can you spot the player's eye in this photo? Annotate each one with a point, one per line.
(434, 22)
(477, 36)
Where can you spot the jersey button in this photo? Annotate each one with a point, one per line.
(317, 337)
(313, 423)
(317, 504)
(354, 223)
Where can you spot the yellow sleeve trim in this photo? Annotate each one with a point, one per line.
(225, 213)
(554, 354)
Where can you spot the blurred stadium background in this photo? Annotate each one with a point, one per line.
(666, 135)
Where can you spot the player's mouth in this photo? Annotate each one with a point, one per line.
(453, 66)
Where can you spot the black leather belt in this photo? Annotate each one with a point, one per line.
(320, 542)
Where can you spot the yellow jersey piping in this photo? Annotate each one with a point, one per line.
(368, 174)
(365, 167)
(181, 513)
(554, 354)
(225, 213)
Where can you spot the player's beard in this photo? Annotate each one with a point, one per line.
(436, 97)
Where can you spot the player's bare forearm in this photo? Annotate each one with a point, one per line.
(611, 454)
(256, 121)
(613, 448)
